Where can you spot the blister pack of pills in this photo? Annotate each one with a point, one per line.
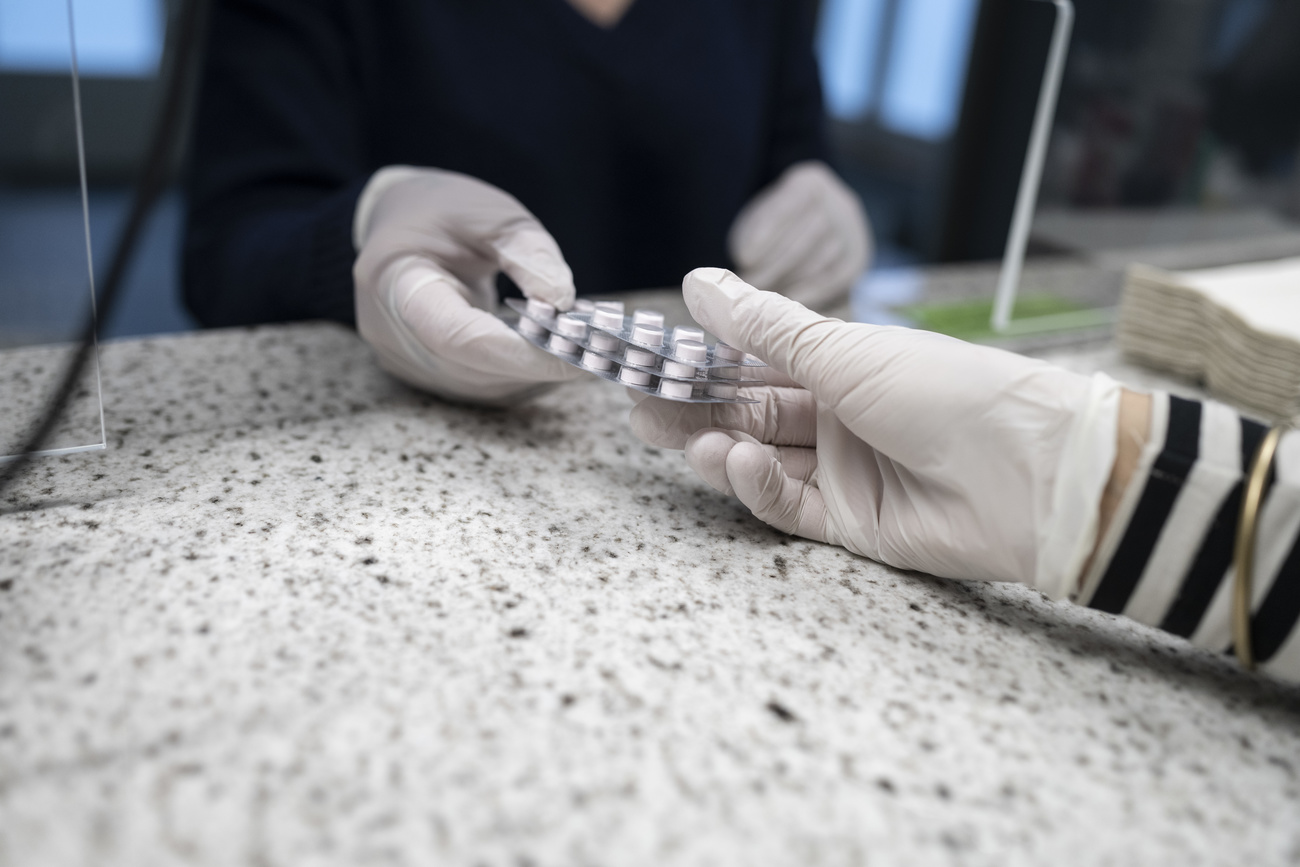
(637, 351)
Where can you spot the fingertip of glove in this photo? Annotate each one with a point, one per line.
(534, 261)
(706, 453)
(710, 291)
(707, 278)
(748, 456)
(750, 461)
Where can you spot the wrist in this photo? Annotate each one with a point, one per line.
(1132, 430)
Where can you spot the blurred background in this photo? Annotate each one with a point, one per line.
(1177, 119)
(120, 52)
(1178, 124)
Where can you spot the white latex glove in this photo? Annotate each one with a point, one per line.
(911, 448)
(431, 244)
(805, 236)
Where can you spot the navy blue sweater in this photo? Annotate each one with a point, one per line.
(635, 146)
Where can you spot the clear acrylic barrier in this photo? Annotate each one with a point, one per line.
(1153, 152)
(1173, 141)
(46, 272)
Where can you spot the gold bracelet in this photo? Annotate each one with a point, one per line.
(1243, 558)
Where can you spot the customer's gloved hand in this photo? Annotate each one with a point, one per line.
(431, 244)
(911, 448)
(805, 236)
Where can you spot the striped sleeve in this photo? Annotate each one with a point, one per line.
(1167, 558)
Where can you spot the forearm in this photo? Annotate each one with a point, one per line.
(1169, 520)
(271, 258)
(797, 130)
(1131, 435)
(278, 158)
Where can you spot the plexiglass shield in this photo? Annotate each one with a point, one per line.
(1027, 153)
(47, 295)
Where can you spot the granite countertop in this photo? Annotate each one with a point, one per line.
(298, 614)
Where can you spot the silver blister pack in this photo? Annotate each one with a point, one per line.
(637, 351)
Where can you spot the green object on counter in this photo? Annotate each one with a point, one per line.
(969, 319)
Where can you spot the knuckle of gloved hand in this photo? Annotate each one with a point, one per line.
(823, 355)
(458, 337)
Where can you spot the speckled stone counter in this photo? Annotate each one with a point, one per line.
(300, 615)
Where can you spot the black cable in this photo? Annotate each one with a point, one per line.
(152, 182)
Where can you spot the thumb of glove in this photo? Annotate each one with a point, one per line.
(533, 260)
(815, 351)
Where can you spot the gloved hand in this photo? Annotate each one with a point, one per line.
(911, 448)
(431, 244)
(805, 236)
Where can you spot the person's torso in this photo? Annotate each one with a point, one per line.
(635, 146)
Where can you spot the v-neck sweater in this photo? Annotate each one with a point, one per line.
(635, 145)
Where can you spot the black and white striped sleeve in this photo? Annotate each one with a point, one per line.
(1167, 558)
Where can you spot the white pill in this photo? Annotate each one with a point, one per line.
(632, 376)
(648, 317)
(531, 328)
(641, 357)
(596, 362)
(674, 388)
(691, 350)
(606, 318)
(683, 332)
(571, 326)
(605, 342)
(539, 309)
(648, 335)
(723, 352)
(677, 368)
(562, 344)
(724, 390)
(584, 305)
(616, 306)
(725, 373)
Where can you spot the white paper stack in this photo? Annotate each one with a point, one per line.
(1237, 329)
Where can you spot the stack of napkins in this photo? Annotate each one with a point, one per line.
(1237, 329)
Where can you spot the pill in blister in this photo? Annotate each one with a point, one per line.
(604, 342)
(562, 344)
(641, 357)
(531, 328)
(616, 306)
(540, 309)
(674, 388)
(571, 326)
(648, 335)
(723, 352)
(724, 390)
(584, 305)
(596, 362)
(632, 376)
(606, 318)
(680, 369)
(648, 317)
(693, 372)
(691, 350)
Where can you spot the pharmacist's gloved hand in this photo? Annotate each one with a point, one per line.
(431, 244)
(911, 448)
(805, 236)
